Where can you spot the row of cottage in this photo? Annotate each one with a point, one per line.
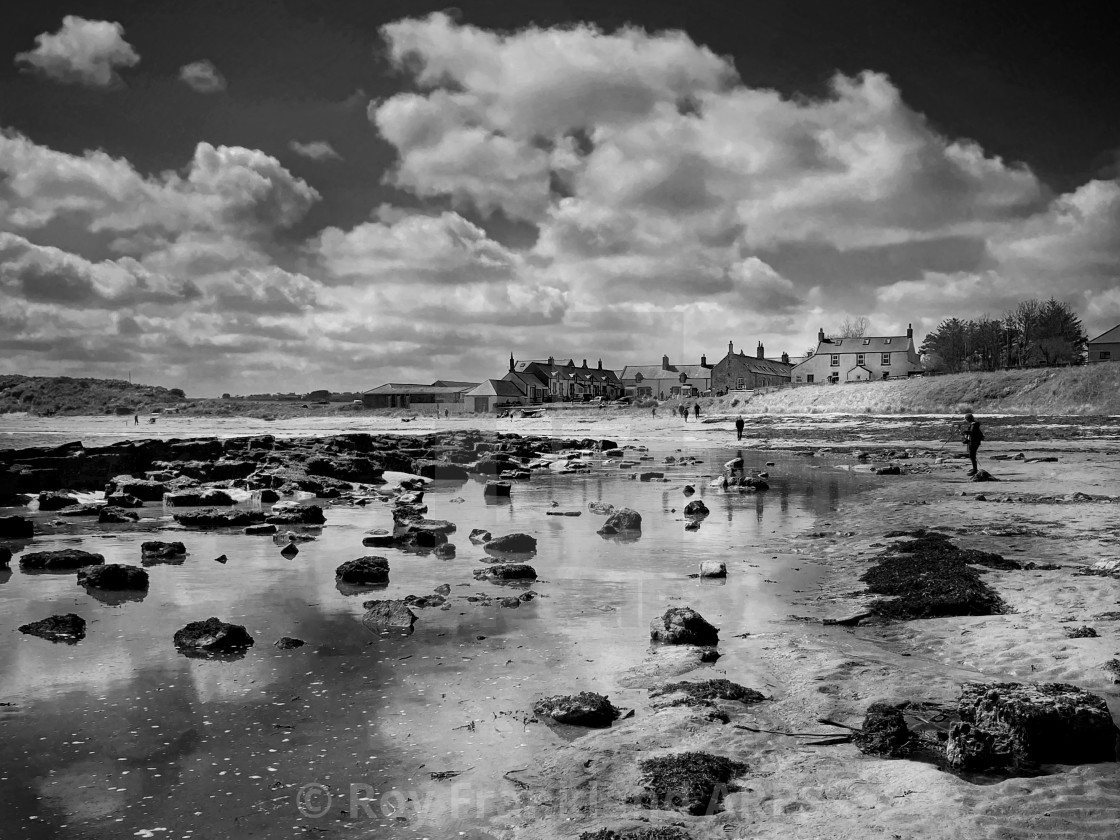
(532, 382)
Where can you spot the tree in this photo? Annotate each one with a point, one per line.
(177, 393)
(1044, 333)
(852, 328)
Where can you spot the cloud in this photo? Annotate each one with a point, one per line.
(85, 52)
(202, 77)
(319, 150)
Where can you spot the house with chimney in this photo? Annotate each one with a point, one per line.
(860, 359)
(740, 372)
(550, 380)
(667, 381)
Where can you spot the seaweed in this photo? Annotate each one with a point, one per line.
(693, 782)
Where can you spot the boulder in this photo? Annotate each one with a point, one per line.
(210, 518)
(713, 569)
(381, 615)
(884, 732)
(1025, 724)
(212, 637)
(115, 576)
(296, 515)
(382, 540)
(55, 501)
(66, 559)
(445, 551)
(479, 536)
(269, 496)
(649, 476)
(696, 508)
(439, 525)
(583, 709)
(160, 549)
(692, 782)
(16, 528)
(364, 570)
(601, 508)
(428, 539)
(67, 628)
(289, 643)
(146, 491)
(507, 571)
(623, 519)
(512, 543)
(441, 471)
(290, 550)
(5, 556)
(497, 488)
(115, 515)
(683, 626)
(707, 691)
(891, 469)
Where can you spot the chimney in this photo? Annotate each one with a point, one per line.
(761, 352)
(785, 358)
(551, 361)
(664, 362)
(730, 349)
(820, 336)
(909, 330)
(511, 362)
(704, 361)
(600, 364)
(585, 364)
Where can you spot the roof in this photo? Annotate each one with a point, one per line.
(525, 381)
(859, 367)
(865, 344)
(399, 388)
(765, 367)
(452, 383)
(673, 372)
(1110, 337)
(577, 373)
(495, 388)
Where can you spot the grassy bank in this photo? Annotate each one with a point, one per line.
(1092, 389)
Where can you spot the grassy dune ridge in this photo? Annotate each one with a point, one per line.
(1086, 390)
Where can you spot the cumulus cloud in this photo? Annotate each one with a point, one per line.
(202, 77)
(319, 150)
(86, 52)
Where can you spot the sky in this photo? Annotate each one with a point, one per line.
(283, 196)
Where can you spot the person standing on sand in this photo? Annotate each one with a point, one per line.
(695, 410)
(739, 427)
(683, 412)
(135, 419)
(973, 437)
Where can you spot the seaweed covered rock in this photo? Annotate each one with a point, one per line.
(212, 637)
(692, 782)
(622, 519)
(512, 543)
(69, 628)
(210, 518)
(66, 559)
(696, 508)
(884, 731)
(584, 709)
(383, 615)
(1024, 724)
(929, 584)
(116, 576)
(154, 549)
(289, 643)
(706, 691)
(111, 515)
(683, 626)
(49, 500)
(364, 570)
(296, 515)
(666, 832)
(506, 571)
(192, 498)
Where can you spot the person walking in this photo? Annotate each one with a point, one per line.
(739, 427)
(683, 412)
(973, 436)
(695, 410)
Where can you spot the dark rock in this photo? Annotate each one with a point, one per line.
(1020, 725)
(260, 530)
(649, 476)
(210, 518)
(1080, 633)
(983, 475)
(67, 628)
(512, 543)
(436, 600)
(113, 576)
(688, 490)
(289, 643)
(623, 519)
(445, 551)
(221, 558)
(290, 550)
(159, 548)
(892, 469)
(441, 471)
(212, 637)
(364, 570)
(441, 526)
(507, 571)
(388, 614)
(297, 515)
(67, 559)
(16, 528)
(269, 496)
(884, 732)
(1112, 668)
(147, 491)
(115, 515)
(55, 501)
(709, 690)
(5, 556)
(583, 709)
(382, 540)
(429, 539)
(696, 508)
(497, 488)
(124, 500)
(208, 498)
(479, 536)
(683, 626)
(692, 782)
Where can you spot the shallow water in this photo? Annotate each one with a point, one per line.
(121, 736)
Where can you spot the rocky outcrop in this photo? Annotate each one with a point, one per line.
(110, 515)
(289, 643)
(386, 615)
(146, 491)
(683, 626)
(212, 638)
(208, 498)
(707, 691)
(497, 488)
(123, 500)
(440, 471)
(512, 544)
(69, 628)
(5, 556)
(364, 570)
(296, 515)
(161, 549)
(55, 501)
(479, 536)
(210, 518)
(66, 559)
(16, 528)
(583, 709)
(114, 576)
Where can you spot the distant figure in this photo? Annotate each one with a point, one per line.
(446, 413)
(655, 411)
(136, 419)
(695, 410)
(151, 419)
(973, 437)
(739, 427)
(684, 412)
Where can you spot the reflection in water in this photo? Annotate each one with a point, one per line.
(120, 733)
(116, 597)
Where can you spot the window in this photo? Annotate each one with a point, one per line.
(886, 360)
(808, 378)
(739, 386)
(1106, 355)
(867, 341)
(860, 359)
(835, 360)
(798, 378)
(886, 341)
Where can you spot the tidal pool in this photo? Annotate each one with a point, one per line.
(121, 736)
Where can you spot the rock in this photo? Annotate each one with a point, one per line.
(601, 508)
(67, 559)
(268, 496)
(115, 515)
(884, 732)
(289, 643)
(583, 709)
(507, 571)
(364, 570)
(623, 519)
(442, 472)
(689, 489)
(512, 543)
(696, 508)
(381, 615)
(683, 626)
(115, 576)
(159, 548)
(443, 589)
(983, 475)
(713, 569)
(296, 515)
(5, 556)
(425, 600)
(67, 628)
(892, 469)
(429, 539)
(1105, 568)
(212, 637)
(692, 782)
(290, 550)
(292, 537)
(649, 476)
(1080, 633)
(221, 558)
(441, 526)
(706, 691)
(189, 498)
(382, 540)
(445, 551)
(16, 528)
(146, 491)
(497, 488)
(55, 501)
(692, 525)
(479, 536)
(210, 518)
(1112, 668)
(75, 511)
(1020, 725)
(260, 530)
